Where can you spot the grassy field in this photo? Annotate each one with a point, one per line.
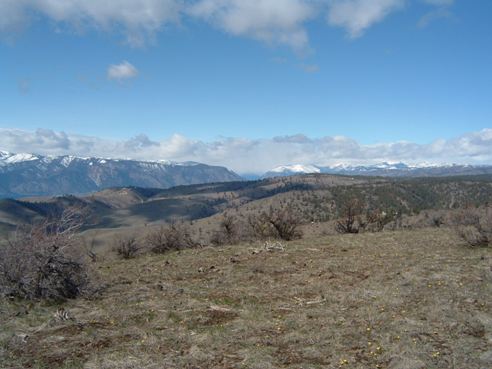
(398, 300)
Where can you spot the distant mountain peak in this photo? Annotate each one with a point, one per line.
(296, 168)
(11, 158)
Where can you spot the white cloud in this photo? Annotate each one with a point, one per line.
(255, 156)
(356, 16)
(439, 13)
(137, 19)
(122, 71)
(271, 21)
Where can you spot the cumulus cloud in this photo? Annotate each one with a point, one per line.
(255, 156)
(122, 71)
(356, 16)
(272, 21)
(137, 19)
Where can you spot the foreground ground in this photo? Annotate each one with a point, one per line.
(397, 300)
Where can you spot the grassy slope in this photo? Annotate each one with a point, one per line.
(408, 299)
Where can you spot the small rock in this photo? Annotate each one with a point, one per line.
(20, 338)
(219, 309)
(475, 328)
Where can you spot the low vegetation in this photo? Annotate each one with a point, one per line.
(351, 221)
(44, 261)
(228, 232)
(127, 247)
(370, 287)
(313, 198)
(474, 225)
(175, 236)
(405, 299)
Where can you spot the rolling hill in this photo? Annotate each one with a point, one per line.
(314, 198)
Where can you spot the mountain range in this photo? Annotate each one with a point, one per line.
(28, 175)
(35, 175)
(382, 170)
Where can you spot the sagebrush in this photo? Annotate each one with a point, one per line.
(45, 261)
(175, 236)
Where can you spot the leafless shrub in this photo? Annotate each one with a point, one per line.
(259, 227)
(473, 236)
(45, 261)
(437, 221)
(90, 249)
(228, 233)
(285, 223)
(468, 216)
(376, 220)
(175, 236)
(474, 225)
(281, 223)
(486, 222)
(350, 222)
(127, 247)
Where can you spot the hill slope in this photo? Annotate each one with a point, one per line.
(313, 197)
(416, 299)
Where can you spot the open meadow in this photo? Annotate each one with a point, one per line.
(409, 299)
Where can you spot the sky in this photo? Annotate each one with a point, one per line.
(248, 84)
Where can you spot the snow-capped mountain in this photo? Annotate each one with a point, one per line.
(34, 175)
(9, 158)
(296, 169)
(382, 169)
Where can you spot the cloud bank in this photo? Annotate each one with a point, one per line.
(271, 21)
(255, 156)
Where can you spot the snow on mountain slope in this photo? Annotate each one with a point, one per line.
(395, 169)
(36, 175)
(10, 158)
(297, 168)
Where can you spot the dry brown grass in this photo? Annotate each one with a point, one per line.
(396, 300)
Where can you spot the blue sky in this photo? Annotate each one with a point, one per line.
(374, 71)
